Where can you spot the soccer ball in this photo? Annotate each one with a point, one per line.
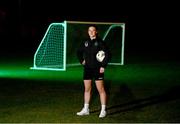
(100, 56)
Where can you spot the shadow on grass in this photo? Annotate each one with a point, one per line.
(125, 93)
(115, 93)
(170, 95)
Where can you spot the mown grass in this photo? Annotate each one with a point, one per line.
(137, 92)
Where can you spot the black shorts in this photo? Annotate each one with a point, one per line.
(92, 73)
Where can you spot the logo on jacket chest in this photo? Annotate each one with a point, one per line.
(86, 44)
(96, 43)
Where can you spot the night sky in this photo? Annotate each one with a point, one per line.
(151, 28)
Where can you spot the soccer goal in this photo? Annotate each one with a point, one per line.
(57, 49)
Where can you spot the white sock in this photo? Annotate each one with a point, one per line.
(103, 107)
(86, 106)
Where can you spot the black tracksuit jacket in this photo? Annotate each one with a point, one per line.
(88, 50)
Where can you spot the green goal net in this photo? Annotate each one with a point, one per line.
(57, 50)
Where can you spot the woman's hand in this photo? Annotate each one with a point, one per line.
(101, 70)
(83, 63)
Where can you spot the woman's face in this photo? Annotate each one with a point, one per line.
(92, 32)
